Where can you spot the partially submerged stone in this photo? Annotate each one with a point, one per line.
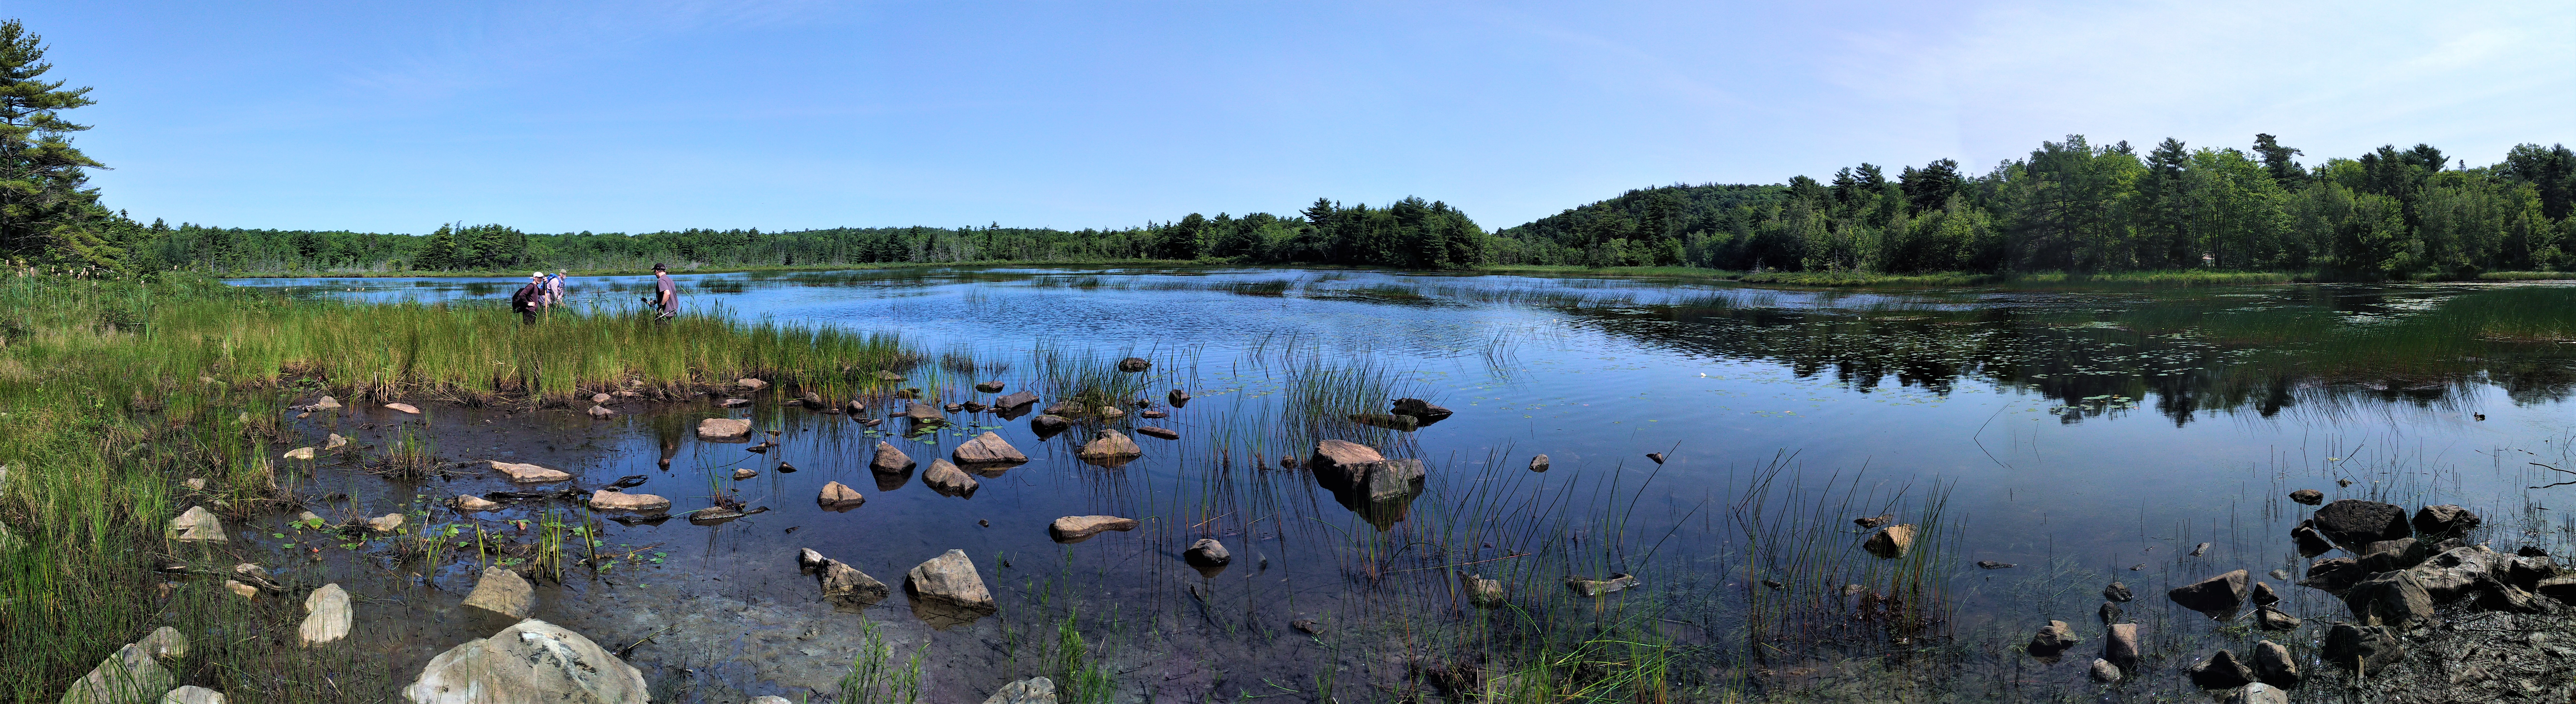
(470, 502)
(531, 661)
(1538, 463)
(921, 412)
(2052, 640)
(326, 403)
(1110, 448)
(197, 525)
(1134, 364)
(837, 496)
(521, 473)
(988, 448)
(724, 428)
(385, 524)
(1890, 542)
(846, 588)
(889, 459)
(990, 387)
(2353, 523)
(2310, 497)
(2221, 671)
(2444, 520)
(600, 412)
(334, 442)
(403, 407)
(301, 453)
(1482, 592)
(950, 580)
(1018, 399)
(503, 592)
(2120, 644)
(751, 384)
(1075, 529)
(2274, 666)
(1598, 587)
(326, 616)
(608, 500)
(1164, 433)
(1207, 552)
(2224, 593)
(948, 480)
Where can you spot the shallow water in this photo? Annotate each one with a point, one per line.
(2076, 434)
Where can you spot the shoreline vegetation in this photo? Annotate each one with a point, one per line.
(1778, 279)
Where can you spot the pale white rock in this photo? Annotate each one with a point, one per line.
(301, 453)
(130, 676)
(326, 403)
(197, 525)
(770, 699)
(326, 616)
(948, 480)
(404, 407)
(164, 643)
(386, 524)
(529, 473)
(243, 590)
(334, 442)
(601, 412)
(745, 473)
(723, 428)
(193, 694)
(528, 663)
(752, 384)
(601, 398)
(606, 500)
(503, 592)
(194, 483)
(950, 579)
(470, 502)
(1034, 690)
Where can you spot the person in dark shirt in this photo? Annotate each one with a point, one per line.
(530, 298)
(666, 294)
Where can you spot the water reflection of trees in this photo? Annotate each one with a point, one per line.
(2181, 353)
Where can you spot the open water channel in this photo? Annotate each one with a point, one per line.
(2079, 436)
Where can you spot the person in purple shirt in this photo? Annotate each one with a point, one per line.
(666, 295)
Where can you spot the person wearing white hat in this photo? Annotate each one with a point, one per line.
(530, 298)
(555, 288)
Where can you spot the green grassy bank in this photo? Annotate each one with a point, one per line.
(112, 393)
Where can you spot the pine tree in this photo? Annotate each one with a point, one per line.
(46, 212)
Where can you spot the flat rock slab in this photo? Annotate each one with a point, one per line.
(724, 428)
(403, 407)
(532, 661)
(2353, 523)
(1164, 433)
(1075, 529)
(326, 616)
(1020, 399)
(605, 500)
(504, 592)
(528, 473)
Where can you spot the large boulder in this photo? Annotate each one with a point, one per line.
(326, 616)
(837, 496)
(2222, 594)
(948, 480)
(197, 525)
(1034, 690)
(1394, 479)
(2437, 522)
(130, 676)
(531, 662)
(2366, 649)
(2353, 523)
(950, 581)
(890, 460)
(2395, 598)
(1343, 463)
(2386, 555)
(2452, 574)
(1075, 529)
(2120, 644)
(504, 592)
(988, 448)
(721, 429)
(520, 473)
(612, 500)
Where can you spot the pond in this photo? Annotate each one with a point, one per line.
(1715, 442)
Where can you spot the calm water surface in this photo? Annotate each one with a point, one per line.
(2082, 436)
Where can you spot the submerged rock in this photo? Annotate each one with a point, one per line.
(528, 473)
(1048, 425)
(2052, 640)
(988, 448)
(2353, 523)
(723, 428)
(531, 661)
(1164, 433)
(470, 502)
(1075, 529)
(502, 591)
(1134, 364)
(2222, 594)
(948, 480)
(990, 387)
(733, 403)
(1110, 448)
(326, 616)
(837, 496)
(1596, 587)
(1890, 542)
(1034, 690)
(197, 525)
(600, 412)
(2310, 497)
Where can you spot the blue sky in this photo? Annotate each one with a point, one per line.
(640, 116)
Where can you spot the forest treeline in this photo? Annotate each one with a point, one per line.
(2070, 206)
(2080, 207)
